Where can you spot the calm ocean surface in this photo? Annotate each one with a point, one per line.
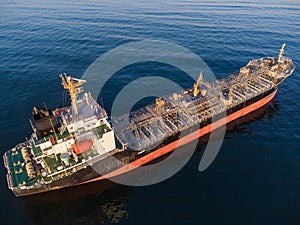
(255, 179)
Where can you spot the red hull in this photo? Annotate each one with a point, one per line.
(186, 139)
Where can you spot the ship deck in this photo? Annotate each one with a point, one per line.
(153, 123)
(55, 167)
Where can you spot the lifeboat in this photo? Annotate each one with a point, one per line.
(57, 112)
(82, 146)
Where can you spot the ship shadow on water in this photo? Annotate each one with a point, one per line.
(103, 201)
(264, 113)
(238, 126)
(93, 203)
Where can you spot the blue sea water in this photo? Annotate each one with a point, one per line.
(255, 178)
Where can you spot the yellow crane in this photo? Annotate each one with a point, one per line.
(72, 84)
(196, 90)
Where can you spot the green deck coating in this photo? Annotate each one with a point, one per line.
(52, 162)
(100, 130)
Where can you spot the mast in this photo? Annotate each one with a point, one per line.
(72, 86)
(281, 53)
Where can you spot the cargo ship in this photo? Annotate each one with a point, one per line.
(70, 144)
